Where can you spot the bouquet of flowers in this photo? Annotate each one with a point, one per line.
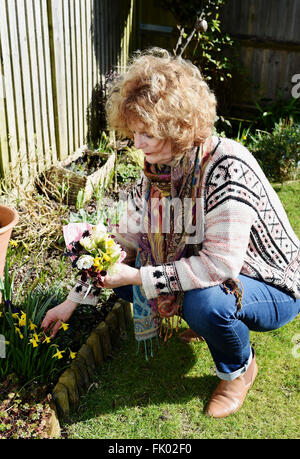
(93, 252)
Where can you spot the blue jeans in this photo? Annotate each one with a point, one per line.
(213, 314)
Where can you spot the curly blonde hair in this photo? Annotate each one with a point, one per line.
(168, 95)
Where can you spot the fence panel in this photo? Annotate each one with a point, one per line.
(53, 53)
(269, 33)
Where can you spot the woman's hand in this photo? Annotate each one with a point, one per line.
(57, 315)
(126, 275)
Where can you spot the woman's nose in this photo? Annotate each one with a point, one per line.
(138, 143)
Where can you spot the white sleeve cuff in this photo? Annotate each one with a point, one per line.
(148, 285)
(78, 296)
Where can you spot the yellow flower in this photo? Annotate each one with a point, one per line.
(19, 332)
(32, 326)
(72, 354)
(1, 314)
(13, 243)
(22, 320)
(64, 326)
(34, 342)
(97, 263)
(47, 339)
(106, 257)
(110, 242)
(15, 315)
(58, 354)
(36, 337)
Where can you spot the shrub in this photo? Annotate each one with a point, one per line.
(280, 109)
(279, 152)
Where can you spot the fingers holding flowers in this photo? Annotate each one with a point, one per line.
(125, 275)
(95, 253)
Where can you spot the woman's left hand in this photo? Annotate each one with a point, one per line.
(126, 275)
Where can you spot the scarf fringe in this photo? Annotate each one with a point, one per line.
(167, 335)
(146, 341)
(170, 325)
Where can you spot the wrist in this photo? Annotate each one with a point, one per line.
(70, 304)
(138, 278)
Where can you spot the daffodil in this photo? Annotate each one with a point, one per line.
(97, 263)
(72, 354)
(1, 314)
(36, 337)
(34, 342)
(15, 315)
(64, 326)
(22, 319)
(32, 326)
(106, 257)
(19, 332)
(13, 243)
(58, 354)
(47, 340)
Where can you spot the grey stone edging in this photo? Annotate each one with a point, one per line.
(76, 380)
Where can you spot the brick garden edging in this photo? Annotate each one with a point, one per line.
(76, 380)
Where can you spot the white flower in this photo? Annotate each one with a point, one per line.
(114, 250)
(99, 232)
(85, 262)
(87, 243)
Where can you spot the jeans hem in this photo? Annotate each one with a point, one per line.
(235, 374)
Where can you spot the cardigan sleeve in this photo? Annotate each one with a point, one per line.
(231, 204)
(77, 294)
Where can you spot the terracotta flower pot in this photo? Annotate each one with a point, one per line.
(8, 219)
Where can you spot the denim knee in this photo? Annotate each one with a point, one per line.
(209, 308)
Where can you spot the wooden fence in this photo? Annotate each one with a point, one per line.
(53, 54)
(269, 35)
(268, 32)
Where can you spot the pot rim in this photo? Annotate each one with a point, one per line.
(15, 219)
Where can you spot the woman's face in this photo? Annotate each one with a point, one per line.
(156, 151)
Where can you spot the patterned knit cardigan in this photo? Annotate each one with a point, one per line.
(244, 229)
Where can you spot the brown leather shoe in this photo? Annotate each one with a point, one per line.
(189, 336)
(229, 396)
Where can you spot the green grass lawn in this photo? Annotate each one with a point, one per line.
(165, 397)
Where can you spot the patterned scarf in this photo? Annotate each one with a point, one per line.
(180, 180)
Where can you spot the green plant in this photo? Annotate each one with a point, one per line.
(107, 211)
(136, 156)
(127, 172)
(280, 109)
(244, 135)
(279, 152)
(29, 353)
(104, 143)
